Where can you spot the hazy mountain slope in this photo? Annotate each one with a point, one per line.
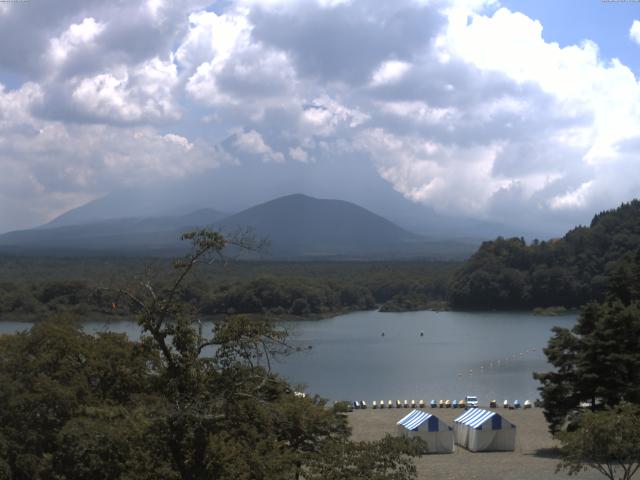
(298, 224)
(233, 188)
(116, 234)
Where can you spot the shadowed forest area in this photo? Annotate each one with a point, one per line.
(503, 274)
(32, 288)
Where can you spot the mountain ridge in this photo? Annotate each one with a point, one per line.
(298, 226)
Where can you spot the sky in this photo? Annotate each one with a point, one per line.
(513, 111)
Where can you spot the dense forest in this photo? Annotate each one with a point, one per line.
(569, 272)
(75, 406)
(33, 288)
(502, 274)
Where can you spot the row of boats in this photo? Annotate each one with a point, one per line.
(433, 404)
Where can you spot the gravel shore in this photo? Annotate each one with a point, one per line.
(534, 458)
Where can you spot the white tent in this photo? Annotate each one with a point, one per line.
(482, 430)
(437, 434)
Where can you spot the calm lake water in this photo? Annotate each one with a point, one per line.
(492, 355)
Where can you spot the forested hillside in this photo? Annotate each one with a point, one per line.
(33, 288)
(508, 273)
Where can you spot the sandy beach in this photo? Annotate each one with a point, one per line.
(534, 458)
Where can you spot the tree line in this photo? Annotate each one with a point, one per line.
(569, 272)
(591, 398)
(299, 289)
(75, 406)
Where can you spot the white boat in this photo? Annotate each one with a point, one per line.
(505, 404)
(398, 404)
(406, 404)
(421, 403)
(527, 404)
(381, 403)
(374, 404)
(363, 404)
(413, 404)
(390, 404)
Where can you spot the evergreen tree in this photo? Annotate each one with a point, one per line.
(598, 361)
(74, 406)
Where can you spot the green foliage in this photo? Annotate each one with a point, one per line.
(54, 375)
(34, 288)
(569, 272)
(388, 459)
(607, 441)
(75, 406)
(598, 361)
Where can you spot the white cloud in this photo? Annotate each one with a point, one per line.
(427, 172)
(325, 115)
(299, 154)
(634, 31)
(389, 72)
(130, 95)
(50, 166)
(15, 105)
(457, 108)
(574, 75)
(75, 37)
(420, 111)
(213, 38)
(574, 199)
(253, 143)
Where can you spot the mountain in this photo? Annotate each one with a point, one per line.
(122, 234)
(301, 225)
(233, 188)
(569, 271)
(297, 226)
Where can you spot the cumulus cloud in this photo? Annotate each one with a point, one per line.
(50, 166)
(252, 142)
(299, 154)
(74, 38)
(634, 31)
(129, 94)
(459, 105)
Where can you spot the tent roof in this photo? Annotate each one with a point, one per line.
(414, 419)
(475, 417)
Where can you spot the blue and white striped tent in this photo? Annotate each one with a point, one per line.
(481, 430)
(437, 434)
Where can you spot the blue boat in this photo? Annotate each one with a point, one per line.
(433, 404)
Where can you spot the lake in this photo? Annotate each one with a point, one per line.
(491, 355)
